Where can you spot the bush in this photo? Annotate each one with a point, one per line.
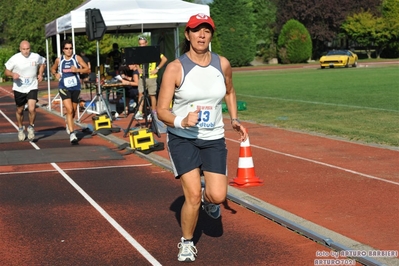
(266, 51)
(5, 54)
(294, 44)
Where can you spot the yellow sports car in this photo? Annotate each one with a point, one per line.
(339, 58)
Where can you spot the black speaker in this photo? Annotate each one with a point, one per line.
(140, 55)
(54, 44)
(95, 25)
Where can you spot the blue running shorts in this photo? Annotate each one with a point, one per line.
(188, 154)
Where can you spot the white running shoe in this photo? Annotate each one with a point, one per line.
(133, 105)
(21, 134)
(31, 133)
(138, 116)
(73, 138)
(187, 251)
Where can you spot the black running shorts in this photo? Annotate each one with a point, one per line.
(22, 98)
(69, 94)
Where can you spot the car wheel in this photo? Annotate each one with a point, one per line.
(322, 67)
(347, 63)
(354, 64)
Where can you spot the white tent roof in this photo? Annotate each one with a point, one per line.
(128, 15)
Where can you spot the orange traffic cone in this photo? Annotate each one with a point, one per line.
(246, 171)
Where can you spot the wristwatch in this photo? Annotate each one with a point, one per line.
(157, 68)
(235, 119)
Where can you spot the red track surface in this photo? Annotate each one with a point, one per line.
(349, 188)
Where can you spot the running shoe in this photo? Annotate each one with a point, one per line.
(31, 133)
(73, 138)
(133, 105)
(213, 210)
(138, 116)
(187, 251)
(21, 134)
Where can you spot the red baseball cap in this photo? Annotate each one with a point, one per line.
(198, 19)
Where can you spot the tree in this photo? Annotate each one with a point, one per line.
(294, 43)
(28, 22)
(5, 14)
(322, 18)
(5, 54)
(359, 28)
(234, 22)
(390, 12)
(265, 24)
(382, 35)
(368, 30)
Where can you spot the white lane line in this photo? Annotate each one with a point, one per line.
(77, 169)
(9, 120)
(321, 163)
(319, 103)
(16, 127)
(111, 220)
(7, 91)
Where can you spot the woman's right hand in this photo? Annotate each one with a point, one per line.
(191, 118)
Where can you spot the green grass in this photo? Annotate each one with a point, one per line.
(360, 104)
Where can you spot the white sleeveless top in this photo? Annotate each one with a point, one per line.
(203, 88)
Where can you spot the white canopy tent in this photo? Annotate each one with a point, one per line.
(125, 15)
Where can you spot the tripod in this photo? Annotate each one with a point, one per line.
(101, 104)
(146, 106)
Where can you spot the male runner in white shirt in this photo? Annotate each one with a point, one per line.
(26, 69)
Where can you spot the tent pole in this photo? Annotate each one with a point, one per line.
(177, 41)
(58, 45)
(73, 40)
(101, 104)
(48, 76)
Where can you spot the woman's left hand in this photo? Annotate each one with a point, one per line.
(240, 129)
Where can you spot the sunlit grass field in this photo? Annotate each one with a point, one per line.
(360, 104)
